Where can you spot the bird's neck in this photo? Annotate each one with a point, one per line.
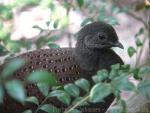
(88, 59)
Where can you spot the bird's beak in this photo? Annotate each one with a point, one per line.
(118, 44)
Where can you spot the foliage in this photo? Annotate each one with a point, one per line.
(118, 76)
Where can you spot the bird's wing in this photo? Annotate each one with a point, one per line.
(58, 61)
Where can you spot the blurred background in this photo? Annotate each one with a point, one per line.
(27, 25)
(32, 24)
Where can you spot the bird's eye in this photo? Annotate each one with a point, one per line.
(101, 37)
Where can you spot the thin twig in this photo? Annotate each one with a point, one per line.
(41, 104)
(141, 50)
(148, 27)
(130, 13)
(136, 17)
(77, 104)
(68, 34)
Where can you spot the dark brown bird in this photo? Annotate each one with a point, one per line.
(92, 52)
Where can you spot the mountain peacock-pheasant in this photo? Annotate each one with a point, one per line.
(92, 52)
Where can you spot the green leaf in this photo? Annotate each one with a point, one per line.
(27, 111)
(26, 2)
(44, 88)
(1, 94)
(96, 79)
(47, 4)
(26, 43)
(113, 74)
(123, 105)
(38, 27)
(101, 16)
(122, 83)
(99, 91)
(3, 50)
(125, 67)
(12, 66)
(55, 93)
(56, 22)
(6, 12)
(135, 72)
(147, 7)
(49, 108)
(114, 9)
(138, 42)
(75, 111)
(72, 89)
(112, 20)
(120, 72)
(141, 31)
(32, 99)
(66, 5)
(42, 77)
(13, 46)
(48, 23)
(83, 84)
(16, 90)
(80, 2)
(59, 87)
(4, 36)
(61, 95)
(124, 9)
(101, 75)
(144, 88)
(41, 42)
(115, 66)
(131, 51)
(117, 93)
(65, 98)
(53, 45)
(86, 21)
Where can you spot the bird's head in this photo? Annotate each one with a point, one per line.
(98, 35)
